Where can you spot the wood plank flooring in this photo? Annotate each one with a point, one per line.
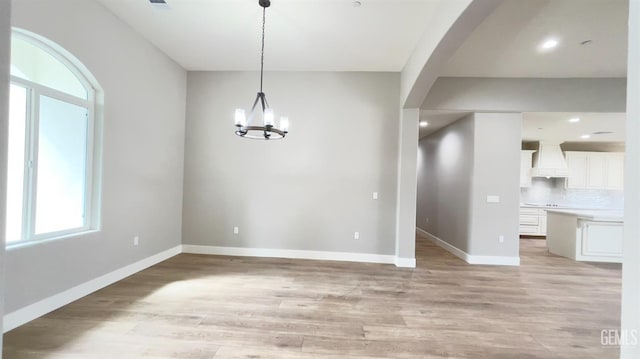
(196, 306)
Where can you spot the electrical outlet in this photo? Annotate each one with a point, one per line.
(375, 195)
(236, 230)
(501, 238)
(426, 220)
(356, 235)
(136, 240)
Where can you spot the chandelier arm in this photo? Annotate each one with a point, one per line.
(255, 103)
(263, 101)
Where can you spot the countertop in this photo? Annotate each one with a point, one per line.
(594, 215)
(545, 206)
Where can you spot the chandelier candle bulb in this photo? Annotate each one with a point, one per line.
(241, 118)
(284, 124)
(268, 117)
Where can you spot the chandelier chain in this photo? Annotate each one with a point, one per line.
(262, 51)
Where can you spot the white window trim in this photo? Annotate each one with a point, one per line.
(93, 155)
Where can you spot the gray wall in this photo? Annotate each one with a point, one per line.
(407, 187)
(593, 146)
(5, 38)
(445, 181)
(496, 171)
(144, 118)
(448, 28)
(526, 95)
(311, 191)
(458, 167)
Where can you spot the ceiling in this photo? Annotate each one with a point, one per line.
(507, 43)
(301, 35)
(555, 126)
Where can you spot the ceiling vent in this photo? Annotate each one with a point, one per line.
(160, 4)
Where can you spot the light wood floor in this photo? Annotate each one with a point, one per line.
(194, 306)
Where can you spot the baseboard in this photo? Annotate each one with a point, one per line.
(494, 260)
(405, 262)
(290, 254)
(23, 315)
(471, 259)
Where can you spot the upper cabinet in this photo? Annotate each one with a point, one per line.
(595, 170)
(526, 159)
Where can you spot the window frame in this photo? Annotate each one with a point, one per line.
(34, 91)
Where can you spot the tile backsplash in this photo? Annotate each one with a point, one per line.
(552, 191)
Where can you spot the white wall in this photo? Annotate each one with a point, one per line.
(458, 167)
(144, 118)
(310, 191)
(5, 39)
(631, 260)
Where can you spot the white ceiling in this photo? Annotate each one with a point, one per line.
(555, 126)
(319, 35)
(506, 43)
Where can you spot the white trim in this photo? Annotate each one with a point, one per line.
(405, 262)
(289, 253)
(471, 259)
(23, 315)
(494, 260)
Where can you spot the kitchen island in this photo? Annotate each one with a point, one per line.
(585, 235)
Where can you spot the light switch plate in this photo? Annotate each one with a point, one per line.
(493, 199)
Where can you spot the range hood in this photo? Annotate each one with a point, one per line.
(549, 161)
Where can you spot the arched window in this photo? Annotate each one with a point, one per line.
(52, 181)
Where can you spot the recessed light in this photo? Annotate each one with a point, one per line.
(424, 123)
(574, 120)
(585, 136)
(548, 44)
(357, 4)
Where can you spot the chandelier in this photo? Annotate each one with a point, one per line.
(268, 131)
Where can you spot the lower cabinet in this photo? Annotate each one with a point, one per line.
(599, 241)
(533, 221)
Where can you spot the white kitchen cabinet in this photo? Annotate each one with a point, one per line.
(615, 171)
(594, 236)
(526, 160)
(577, 165)
(595, 170)
(533, 221)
